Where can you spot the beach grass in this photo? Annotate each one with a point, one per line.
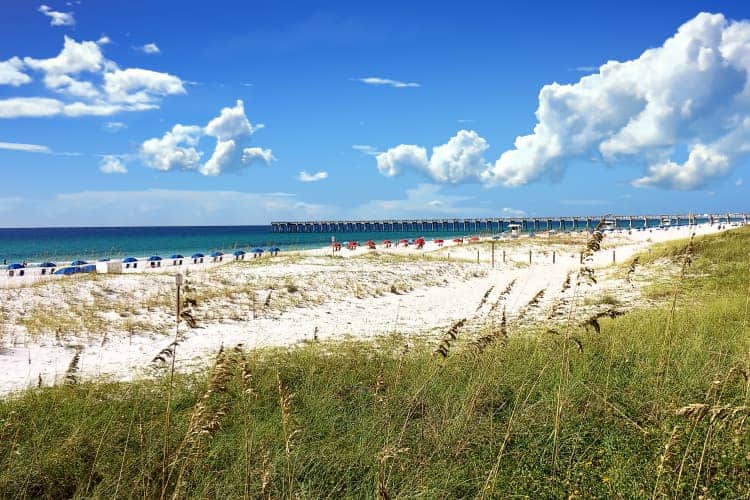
(656, 403)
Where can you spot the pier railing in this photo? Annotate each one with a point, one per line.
(500, 224)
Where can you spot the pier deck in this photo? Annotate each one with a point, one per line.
(500, 224)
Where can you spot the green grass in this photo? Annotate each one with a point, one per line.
(537, 416)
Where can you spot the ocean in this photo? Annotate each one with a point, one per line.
(90, 243)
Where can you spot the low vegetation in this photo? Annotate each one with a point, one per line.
(651, 403)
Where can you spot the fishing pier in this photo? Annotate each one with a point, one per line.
(501, 224)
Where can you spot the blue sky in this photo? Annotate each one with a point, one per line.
(354, 96)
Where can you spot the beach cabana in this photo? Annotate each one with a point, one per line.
(458, 241)
(403, 242)
(78, 263)
(239, 255)
(197, 258)
(217, 256)
(176, 259)
(370, 245)
(15, 267)
(387, 243)
(155, 261)
(274, 251)
(438, 242)
(47, 267)
(130, 262)
(474, 238)
(257, 252)
(352, 245)
(419, 242)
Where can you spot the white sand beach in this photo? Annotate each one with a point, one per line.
(118, 323)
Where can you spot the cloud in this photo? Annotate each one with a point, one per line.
(57, 18)
(140, 86)
(585, 69)
(84, 83)
(11, 74)
(150, 48)
(307, 177)
(111, 164)
(115, 126)
(459, 160)
(10, 203)
(366, 149)
(691, 94)
(692, 91)
(28, 148)
(36, 107)
(161, 207)
(104, 40)
(738, 182)
(175, 149)
(514, 211)
(231, 123)
(250, 155)
(703, 164)
(425, 200)
(33, 148)
(387, 82)
(178, 148)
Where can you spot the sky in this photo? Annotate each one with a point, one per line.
(193, 113)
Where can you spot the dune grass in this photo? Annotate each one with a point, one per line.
(656, 404)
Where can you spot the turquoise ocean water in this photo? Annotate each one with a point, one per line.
(62, 244)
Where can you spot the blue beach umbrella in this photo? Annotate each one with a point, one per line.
(237, 253)
(67, 270)
(16, 265)
(104, 259)
(197, 256)
(47, 264)
(177, 256)
(154, 258)
(257, 250)
(128, 260)
(217, 254)
(78, 263)
(274, 249)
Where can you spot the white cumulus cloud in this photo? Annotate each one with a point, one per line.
(250, 155)
(304, 176)
(178, 148)
(459, 160)
(84, 82)
(691, 94)
(57, 18)
(140, 86)
(11, 74)
(692, 91)
(111, 164)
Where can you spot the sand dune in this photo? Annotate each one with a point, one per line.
(119, 323)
